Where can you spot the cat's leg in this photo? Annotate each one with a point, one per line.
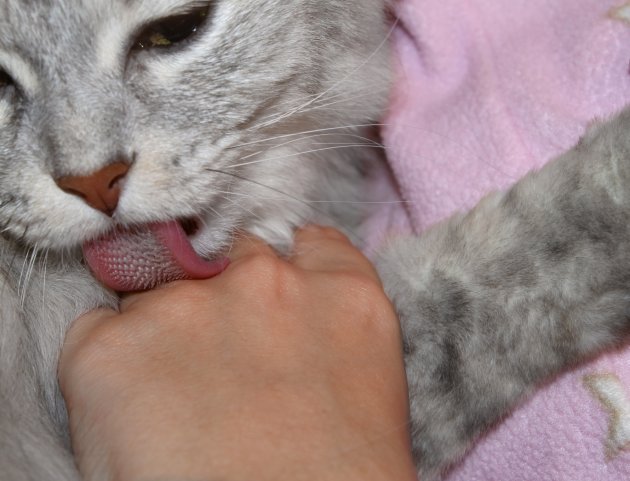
(37, 303)
(529, 282)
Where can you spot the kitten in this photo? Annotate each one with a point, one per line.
(184, 120)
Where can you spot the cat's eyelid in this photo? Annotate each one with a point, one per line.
(170, 10)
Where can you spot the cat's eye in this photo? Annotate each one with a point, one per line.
(5, 79)
(170, 31)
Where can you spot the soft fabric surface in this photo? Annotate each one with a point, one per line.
(486, 90)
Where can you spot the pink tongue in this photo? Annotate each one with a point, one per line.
(143, 258)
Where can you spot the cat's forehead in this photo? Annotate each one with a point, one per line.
(90, 9)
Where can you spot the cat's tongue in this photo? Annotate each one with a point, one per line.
(142, 258)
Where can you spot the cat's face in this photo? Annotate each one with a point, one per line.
(180, 90)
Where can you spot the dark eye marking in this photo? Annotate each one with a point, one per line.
(8, 87)
(170, 31)
(5, 79)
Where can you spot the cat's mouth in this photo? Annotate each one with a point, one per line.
(143, 257)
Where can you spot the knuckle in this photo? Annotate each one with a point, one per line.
(368, 299)
(160, 304)
(260, 268)
(94, 351)
(333, 233)
(361, 286)
(321, 233)
(269, 279)
(191, 291)
(265, 264)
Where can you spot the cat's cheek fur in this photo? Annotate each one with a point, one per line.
(38, 304)
(38, 210)
(5, 113)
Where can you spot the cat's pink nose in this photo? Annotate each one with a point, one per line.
(100, 190)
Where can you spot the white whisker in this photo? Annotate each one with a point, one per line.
(305, 132)
(45, 271)
(298, 154)
(26, 273)
(302, 139)
(342, 101)
(340, 97)
(310, 201)
(334, 86)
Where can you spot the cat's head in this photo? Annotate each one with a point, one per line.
(191, 109)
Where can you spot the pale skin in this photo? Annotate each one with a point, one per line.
(277, 369)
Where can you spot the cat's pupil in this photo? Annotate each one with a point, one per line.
(5, 80)
(169, 31)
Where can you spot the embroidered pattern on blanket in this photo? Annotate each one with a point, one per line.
(621, 13)
(609, 391)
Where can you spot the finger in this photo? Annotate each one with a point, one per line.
(129, 300)
(326, 249)
(246, 245)
(86, 323)
(81, 328)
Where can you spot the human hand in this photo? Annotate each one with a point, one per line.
(276, 369)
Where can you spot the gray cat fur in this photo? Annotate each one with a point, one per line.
(492, 302)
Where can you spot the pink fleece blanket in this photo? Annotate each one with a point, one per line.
(486, 90)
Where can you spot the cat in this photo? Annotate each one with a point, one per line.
(190, 119)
